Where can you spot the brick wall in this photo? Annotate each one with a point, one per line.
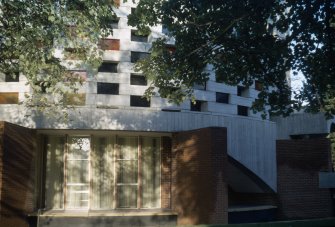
(299, 163)
(199, 189)
(17, 173)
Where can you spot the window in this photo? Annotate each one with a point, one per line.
(258, 86)
(139, 101)
(222, 97)
(135, 56)
(242, 91)
(136, 79)
(107, 88)
(102, 172)
(196, 106)
(200, 86)
(115, 22)
(137, 37)
(242, 110)
(12, 77)
(109, 44)
(108, 67)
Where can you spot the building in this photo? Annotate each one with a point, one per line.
(124, 161)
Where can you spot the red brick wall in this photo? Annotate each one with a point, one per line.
(199, 190)
(17, 174)
(299, 163)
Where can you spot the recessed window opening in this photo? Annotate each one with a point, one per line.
(107, 88)
(136, 79)
(109, 67)
(222, 97)
(243, 110)
(139, 101)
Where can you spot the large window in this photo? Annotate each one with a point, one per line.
(99, 172)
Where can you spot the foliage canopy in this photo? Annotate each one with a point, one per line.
(244, 41)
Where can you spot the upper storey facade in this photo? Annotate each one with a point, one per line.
(118, 86)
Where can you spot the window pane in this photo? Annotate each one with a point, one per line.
(128, 148)
(102, 173)
(77, 196)
(127, 172)
(77, 171)
(77, 174)
(150, 172)
(54, 172)
(127, 196)
(79, 148)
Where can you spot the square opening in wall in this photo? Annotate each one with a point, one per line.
(243, 110)
(139, 101)
(107, 88)
(197, 105)
(242, 91)
(108, 67)
(222, 97)
(135, 56)
(136, 79)
(13, 77)
(137, 37)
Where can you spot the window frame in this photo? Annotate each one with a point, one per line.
(114, 149)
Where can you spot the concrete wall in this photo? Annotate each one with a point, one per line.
(302, 123)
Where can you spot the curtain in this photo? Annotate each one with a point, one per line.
(150, 172)
(54, 172)
(127, 172)
(102, 173)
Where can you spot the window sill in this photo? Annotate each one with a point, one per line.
(105, 213)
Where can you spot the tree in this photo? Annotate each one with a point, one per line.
(42, 39)
(244, 41)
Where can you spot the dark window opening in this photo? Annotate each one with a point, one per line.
(222, 97)
(258, 86)
(196, 106)
(137, 37)
(138, 80)
(242, 110)
(139, 101)
(108, 67)
(107, 88)
(135, 56)
(241, 91)
(200, 86)
(308, 136)
(13, 77)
